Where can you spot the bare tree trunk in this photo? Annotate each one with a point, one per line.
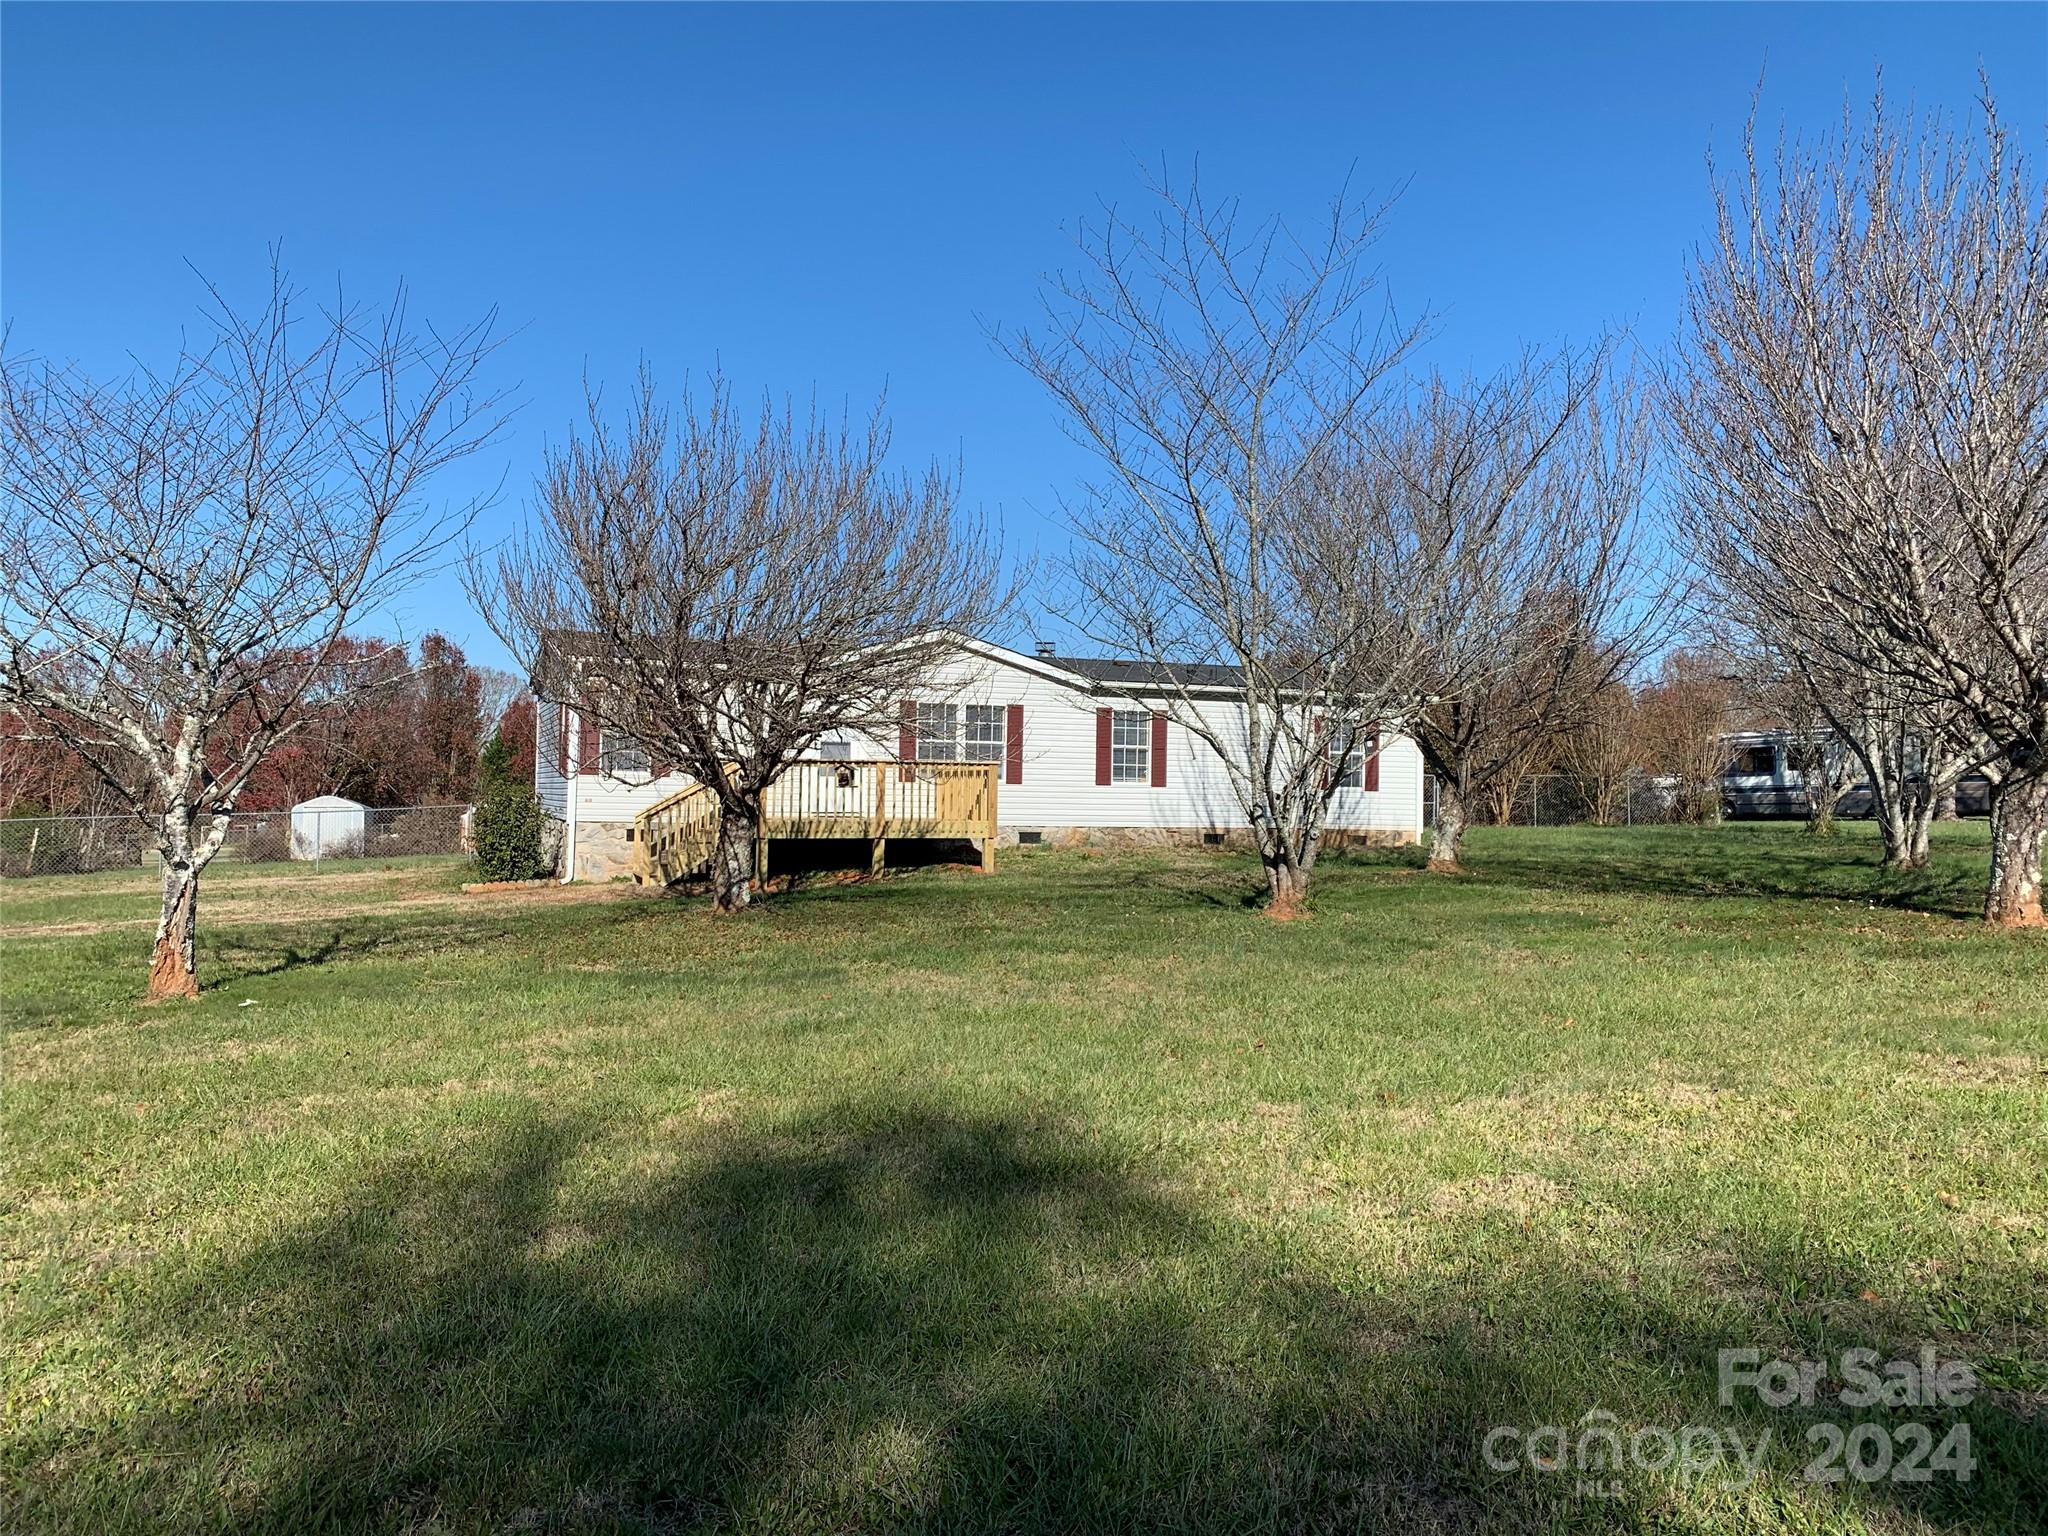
(1903, 811)
(732, 864)
(1945, 805)
(1906, 816)
(1888, 806)
(1919, 821)
(173, 965)
(1286, 886)
(1820, 779)
(1447, 832)
(1820, 811)
(2019, 818)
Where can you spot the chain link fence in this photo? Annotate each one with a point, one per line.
(1564, 800)
(79, 845)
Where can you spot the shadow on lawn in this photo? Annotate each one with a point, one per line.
(246, 953)
(880, 1318)
(1729, 860)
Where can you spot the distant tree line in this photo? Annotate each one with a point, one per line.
(408, 730)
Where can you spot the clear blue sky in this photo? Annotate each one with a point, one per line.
(833, 198)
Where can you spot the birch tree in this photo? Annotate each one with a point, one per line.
(1213, 365)
(1860, 406)
(728, 589)
(183, 550)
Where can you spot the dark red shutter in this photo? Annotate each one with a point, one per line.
(906, 739)
(1159, 751)
(1102, 746)
(562, 740)
(1372, 761)
(586, 743)
(1013, 746)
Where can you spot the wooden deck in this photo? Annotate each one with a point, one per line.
(873, 800)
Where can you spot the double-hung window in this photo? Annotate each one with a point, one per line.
(983, 742)
(1130, 746)
(621, 756)
(956, 733)
(938, 733)
(1348, 755)
(1347, 760)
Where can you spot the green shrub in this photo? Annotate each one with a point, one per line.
(493, 765)
(507, 831)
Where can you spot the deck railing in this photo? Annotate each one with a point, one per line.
(872, 799)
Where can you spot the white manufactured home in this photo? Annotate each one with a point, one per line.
(998, 747)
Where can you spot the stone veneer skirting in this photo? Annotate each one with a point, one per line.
(1190, 837)
(604, 853)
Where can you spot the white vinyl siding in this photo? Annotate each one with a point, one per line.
(1058, 787)
(548, 784)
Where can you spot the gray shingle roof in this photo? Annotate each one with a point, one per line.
(1147, 674)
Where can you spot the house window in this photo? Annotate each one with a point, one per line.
(949, 733)
(833, 749)
(1347, 769)
(984, 743)
(621, 756)
(1130, 746)
(938, 733)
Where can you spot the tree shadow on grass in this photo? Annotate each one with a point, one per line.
(247, 953)
(881, 1317)
(1724, 861)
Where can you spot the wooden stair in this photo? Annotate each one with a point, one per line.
(677, 836)
(869, 799)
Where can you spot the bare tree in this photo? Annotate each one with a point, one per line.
(1685, 714)
(497, 689)
(183, 550)
(1603, 753)
(1909, 749)
(1503, 517)
(727, 591)
(1845, 716)
(1861, 412)
(1816, 747)
(1214, 366)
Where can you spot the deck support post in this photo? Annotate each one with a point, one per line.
(875, 854)
(988, 842)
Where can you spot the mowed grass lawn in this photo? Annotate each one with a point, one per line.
(1079, 1198)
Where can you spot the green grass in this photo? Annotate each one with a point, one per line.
(1079, 1198)
(130, 895)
